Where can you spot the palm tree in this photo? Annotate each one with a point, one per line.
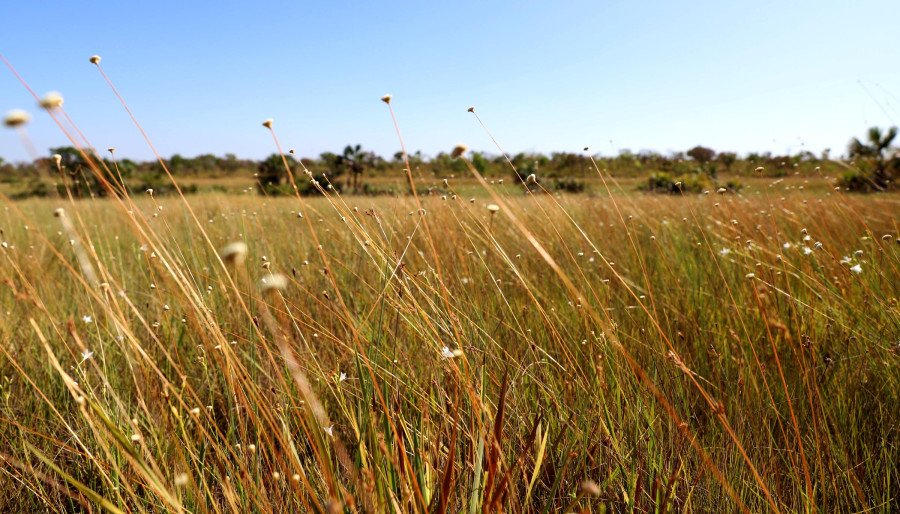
(353, 159)
(877, 151)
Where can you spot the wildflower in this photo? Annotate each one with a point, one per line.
(329, 430)
(342, 377)
(531, 178)
(724, 251)
(807, 250)
(268, 123)
(135, 437)
(459, 150)
(111, 149)
(386, 99)
(721, 190)
(296, 477)
(95, 59)
(493, 207)
(750, 275)
(234, 253)
(16, 118)
(51, 100)
(87, 319)
(272, 282)
(57, 159)
(276, 476)
(447, 353)
(856, 268)
(471, 108)
(590, 487)
(786, 246)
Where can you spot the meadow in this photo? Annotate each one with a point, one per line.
(481, 349)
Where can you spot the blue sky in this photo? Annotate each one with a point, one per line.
(545, 76)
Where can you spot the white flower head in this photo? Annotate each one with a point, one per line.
(459, 150)
(447, 353)
(234, 253)
(16, 118)
(273, 282)
(51, 100)
(493, 207)
(386, 98)
(856, 268)
(95, 59)
(87, 319)
(85, 355)
(268, 123)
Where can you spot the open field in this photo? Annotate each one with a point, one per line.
(571, 353)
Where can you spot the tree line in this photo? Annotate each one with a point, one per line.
(871, 164)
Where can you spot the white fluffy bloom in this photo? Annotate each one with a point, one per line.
(234, 253)
(51, 100)
(272, 282)
(16, 118)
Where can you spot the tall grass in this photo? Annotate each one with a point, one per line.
(173, 383)
(557, 353)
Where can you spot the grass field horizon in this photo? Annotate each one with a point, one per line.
(571, 352)
(459, 330)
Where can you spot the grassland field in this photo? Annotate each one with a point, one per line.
(603, 352)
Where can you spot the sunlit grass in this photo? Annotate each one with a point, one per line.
(459, 373)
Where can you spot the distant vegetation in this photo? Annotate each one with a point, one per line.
(871, 166)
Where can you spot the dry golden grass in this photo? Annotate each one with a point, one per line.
(566, 353)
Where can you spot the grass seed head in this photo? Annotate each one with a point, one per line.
(590, 488)
(52, 100)
(234, 253)
(16, 118)
(273, 282)
(459, 150)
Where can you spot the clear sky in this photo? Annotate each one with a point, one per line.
(545, 76)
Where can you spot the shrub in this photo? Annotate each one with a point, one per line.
(856, 180)
(661, 182)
